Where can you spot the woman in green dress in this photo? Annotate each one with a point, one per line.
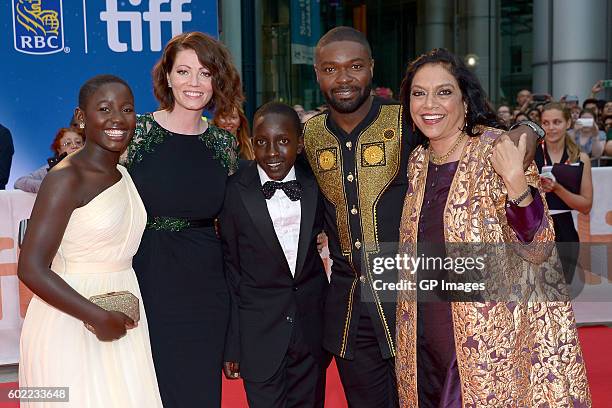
(180, 163)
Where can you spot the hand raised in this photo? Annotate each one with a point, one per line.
(507, 159)
(530, 145)
(597, 87)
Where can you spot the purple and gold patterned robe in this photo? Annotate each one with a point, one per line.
(519, 353)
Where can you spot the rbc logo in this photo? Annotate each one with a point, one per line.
(154, 16)
(38, 26)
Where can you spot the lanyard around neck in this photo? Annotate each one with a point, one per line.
(567, 161)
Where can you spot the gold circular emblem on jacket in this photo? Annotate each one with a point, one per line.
(327, 160)
(373, 154)
(389, 133)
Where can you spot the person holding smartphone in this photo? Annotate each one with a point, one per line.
(566, 189)
(587, 135)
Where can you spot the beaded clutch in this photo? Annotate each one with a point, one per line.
(124, 302)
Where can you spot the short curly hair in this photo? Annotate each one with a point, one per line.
(227, 87)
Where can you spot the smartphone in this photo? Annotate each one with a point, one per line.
(585, 122)
(539, 97)
(606, 83)
(547, 173)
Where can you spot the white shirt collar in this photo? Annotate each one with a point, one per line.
(263, 177)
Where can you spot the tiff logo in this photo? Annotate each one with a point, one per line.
(154, 16)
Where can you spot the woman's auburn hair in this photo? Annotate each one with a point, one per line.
(55, 146)
(214, 56)
(479, 110)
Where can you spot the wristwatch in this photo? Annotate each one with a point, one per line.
(516, 201)
(534, 126)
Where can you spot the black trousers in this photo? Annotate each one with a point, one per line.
(299, 381)
(368, 380)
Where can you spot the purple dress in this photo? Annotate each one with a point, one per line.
(438, 380)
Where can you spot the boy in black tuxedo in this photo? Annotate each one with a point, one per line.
(269, 225)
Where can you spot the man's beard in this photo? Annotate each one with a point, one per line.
(348, 106)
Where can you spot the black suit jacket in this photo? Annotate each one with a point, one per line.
(266, 300)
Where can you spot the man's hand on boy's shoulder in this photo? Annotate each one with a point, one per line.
(231, 369)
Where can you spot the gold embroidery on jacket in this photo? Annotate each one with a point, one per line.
(325, 156)
(327, 159)
(378, 167)
(373, 154)
(379, 147)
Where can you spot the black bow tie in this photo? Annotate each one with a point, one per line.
(292, 188)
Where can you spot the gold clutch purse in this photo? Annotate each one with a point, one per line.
(124, 302)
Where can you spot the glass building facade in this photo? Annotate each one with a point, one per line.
(283, 76)
(496, 36)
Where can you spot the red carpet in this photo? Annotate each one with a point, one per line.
(234, 396)
(596, 343)
(596, 346)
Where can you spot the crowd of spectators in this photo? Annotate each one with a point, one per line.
(590, 125)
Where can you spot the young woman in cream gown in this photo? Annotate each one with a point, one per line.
(87, 223)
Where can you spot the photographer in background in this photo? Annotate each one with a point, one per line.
(587, 135)
(504, 115)
(520, 117)
(575, 114)
(523, 99)
(534, 115)
(570, 101)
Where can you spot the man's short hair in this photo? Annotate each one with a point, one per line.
(344, 33)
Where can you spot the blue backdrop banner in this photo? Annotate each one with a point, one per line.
(305, 30)
(48, 48)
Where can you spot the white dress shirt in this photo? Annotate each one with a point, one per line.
(286, 216)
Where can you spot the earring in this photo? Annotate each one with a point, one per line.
(169, 84)
(82, 125)
(413, 127)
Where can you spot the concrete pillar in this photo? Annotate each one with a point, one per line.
(435, 21)
(480, 34)
(231, 26)
(570, 46)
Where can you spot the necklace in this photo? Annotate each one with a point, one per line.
(441, 159)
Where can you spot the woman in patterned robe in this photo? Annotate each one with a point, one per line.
(513, 342)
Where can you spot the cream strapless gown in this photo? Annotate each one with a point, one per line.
(56, 350)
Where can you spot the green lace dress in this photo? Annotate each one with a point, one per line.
(179, 265)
